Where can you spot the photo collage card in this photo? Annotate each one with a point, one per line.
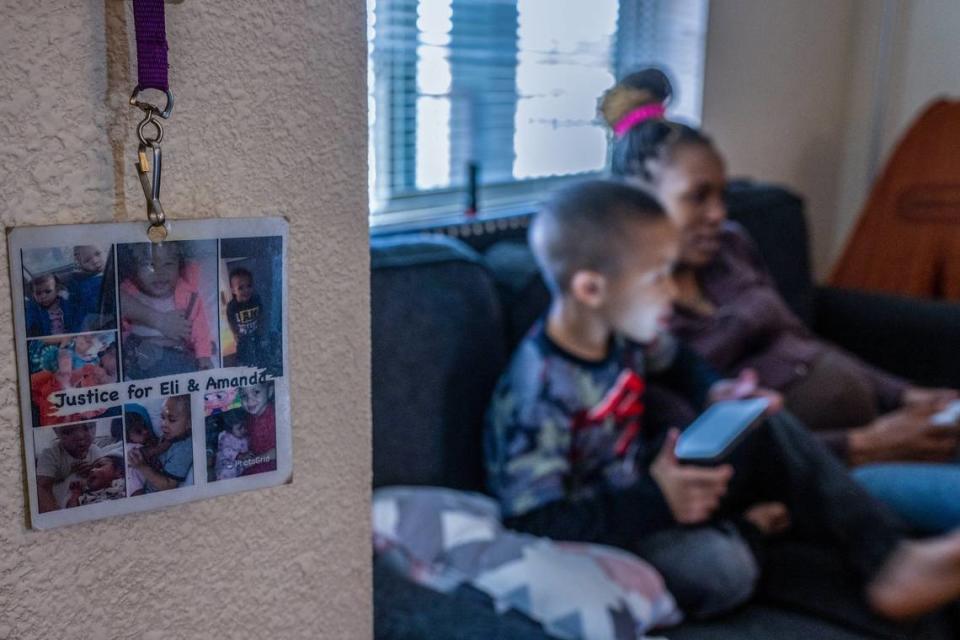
(151, 373)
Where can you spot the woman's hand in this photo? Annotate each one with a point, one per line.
(904, 435)
(924, 398)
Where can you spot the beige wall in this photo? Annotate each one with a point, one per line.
(775, 96)
(270, 119)
(790, 94)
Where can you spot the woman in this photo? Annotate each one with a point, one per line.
(729, 309)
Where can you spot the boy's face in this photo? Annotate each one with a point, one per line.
(638, 301)
(174, 419)
(102, 474)
(76, 439)
(90, 259)
(158, 271)
(241, 287)
(254, 399)
(86, 344)
(45, 292)
(692, 188)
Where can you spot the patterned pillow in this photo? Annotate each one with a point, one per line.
(442, 538)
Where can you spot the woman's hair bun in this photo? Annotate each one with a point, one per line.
(637, 89)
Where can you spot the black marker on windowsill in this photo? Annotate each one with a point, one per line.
(473, 185)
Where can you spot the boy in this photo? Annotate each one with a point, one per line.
(247, 317)
(261, 427)
(574, 454)
(48, 313)
(86, 282)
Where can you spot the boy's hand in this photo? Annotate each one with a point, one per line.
(692, 493)
(745, 386)
(82, 468)
(135, 458)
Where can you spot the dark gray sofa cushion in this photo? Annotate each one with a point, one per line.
(437, 352)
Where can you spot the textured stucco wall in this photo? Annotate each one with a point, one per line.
(270, 119)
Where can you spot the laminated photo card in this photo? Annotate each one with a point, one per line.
(150, 374)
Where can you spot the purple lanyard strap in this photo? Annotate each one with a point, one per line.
(151, 31)
(151, 34)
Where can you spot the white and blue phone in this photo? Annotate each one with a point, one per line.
(719, 429)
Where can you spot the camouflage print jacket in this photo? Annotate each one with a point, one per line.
(565, 431)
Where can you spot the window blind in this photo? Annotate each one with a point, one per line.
(510, 86)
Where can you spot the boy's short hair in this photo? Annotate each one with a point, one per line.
(62, 430)
(583, 227)
(78, 247)
(240, 272)
(43, 277)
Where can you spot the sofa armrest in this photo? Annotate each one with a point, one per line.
(913, 338)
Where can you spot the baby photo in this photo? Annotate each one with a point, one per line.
(168, 307)
(241, 438)
(68, 290)
(79, 464)
(159, 445)
(70, 362)
(251, 279)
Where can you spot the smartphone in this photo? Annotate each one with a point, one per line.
(949, 417)
(718, 430)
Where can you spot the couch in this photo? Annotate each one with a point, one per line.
(445, 318)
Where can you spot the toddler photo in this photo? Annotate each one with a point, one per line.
(251, 304)
(70, 362)
(168, 308)
(159, 445)
(68, 290)
(241, 432)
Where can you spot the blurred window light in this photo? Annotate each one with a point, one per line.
(510, 86)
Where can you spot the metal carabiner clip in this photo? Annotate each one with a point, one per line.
(149, 170)
(150, 146)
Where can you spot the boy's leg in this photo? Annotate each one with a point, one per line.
(783, 461)
(709, 570)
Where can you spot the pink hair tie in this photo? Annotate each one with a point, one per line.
(638, 115)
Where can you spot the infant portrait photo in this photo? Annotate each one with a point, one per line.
(79, 464)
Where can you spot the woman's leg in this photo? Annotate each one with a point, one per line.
(926, 496)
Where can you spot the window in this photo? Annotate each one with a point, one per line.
(510, 88)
